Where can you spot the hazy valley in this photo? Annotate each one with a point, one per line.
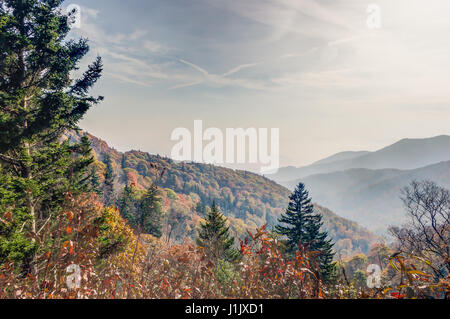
(366, 186)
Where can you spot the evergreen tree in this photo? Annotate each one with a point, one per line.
(127, 204)
(39, 101)
(214, 236)
(13, 242)
(200, 208)
(319, 242)
(95, 182)
(80, 178)
(108, 188)
(149, 217)
(303, 226)
(124, 161)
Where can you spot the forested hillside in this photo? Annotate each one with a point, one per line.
(247, 199)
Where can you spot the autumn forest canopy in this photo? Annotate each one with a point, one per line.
(79, 219)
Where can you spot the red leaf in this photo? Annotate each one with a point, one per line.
(69, 216)
(398, 295)
(7, 216)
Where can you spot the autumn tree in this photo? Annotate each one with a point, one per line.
(300, 225)
(428, 231)
(39, 101)
(214, 236)
(176, 224)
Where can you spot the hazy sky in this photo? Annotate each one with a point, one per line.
(311, 68)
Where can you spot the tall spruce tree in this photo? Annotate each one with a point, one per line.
(149, 217)
(303, 226)
(127, 204)
(95, 182)
(39, 101)
(108, 188)
(214, 236)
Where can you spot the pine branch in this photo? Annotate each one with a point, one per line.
(9, 160)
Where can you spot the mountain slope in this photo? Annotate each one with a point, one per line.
(370, 197)
(248, 200)
(341, 157)
(405, 154)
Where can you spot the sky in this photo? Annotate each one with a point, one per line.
(312, 68)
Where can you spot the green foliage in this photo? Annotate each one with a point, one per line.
(214, 236)
(95, 182)
(39, 101)
(142, 209)
(110, 242)
(108, 188)
(359, 279)
(303, 227)
(200, 208)
(13, 243)
(127, 204)
(149, 212)
(226, 273)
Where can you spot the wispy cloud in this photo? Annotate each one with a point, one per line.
(128, 56)
(239, 68)
(124, 53)
(126, 79)
(216, 80)
(304, 17)
(284, 60)
(135, 57)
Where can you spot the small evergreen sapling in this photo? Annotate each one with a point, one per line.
(214, 236)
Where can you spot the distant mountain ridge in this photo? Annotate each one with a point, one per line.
(404, 154)
(341, 156)
(248, 200)
(370, 197)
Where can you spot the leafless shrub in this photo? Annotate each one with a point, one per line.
(427, 232)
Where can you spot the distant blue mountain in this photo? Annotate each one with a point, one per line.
(405, 154)
(370, 197)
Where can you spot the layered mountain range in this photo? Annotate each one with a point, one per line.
(366, 186)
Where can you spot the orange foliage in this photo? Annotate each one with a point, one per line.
(115, 263)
